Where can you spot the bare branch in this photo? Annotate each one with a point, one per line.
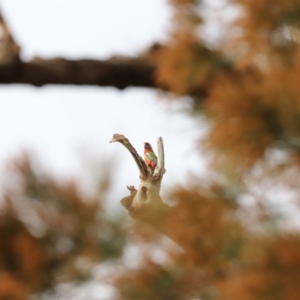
(145, 204)
(146, 200)
(127, 201)
(118, 71)
(120, 74)
(160, 168)
(144, 172)
(9, 50)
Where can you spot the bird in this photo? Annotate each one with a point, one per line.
(149, 156)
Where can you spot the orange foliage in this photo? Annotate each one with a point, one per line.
(272, 271)
(206, 228)
(183, 2)
(50, 232)
(21, 253)
(242, 127)
(191, 64)
(11, 288)
(262, 23)
(249, 94)
(154, 281)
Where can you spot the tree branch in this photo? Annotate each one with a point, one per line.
(112, 72)
(9, 50)
(147, 197)
(160, 168)
(144, 171)
(118, 71)
(145, 204)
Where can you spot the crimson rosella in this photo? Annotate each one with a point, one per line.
(149, 156)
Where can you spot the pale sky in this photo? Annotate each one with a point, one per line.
(58, 122)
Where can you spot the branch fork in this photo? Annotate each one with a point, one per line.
(146, 198)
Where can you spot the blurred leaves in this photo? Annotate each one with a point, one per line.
(246, 89)
(52, 232)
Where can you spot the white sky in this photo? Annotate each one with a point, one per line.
(57, 122)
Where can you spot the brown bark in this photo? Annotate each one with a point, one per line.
(119, 73)
(145, 202)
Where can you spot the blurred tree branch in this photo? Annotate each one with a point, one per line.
(118, 71)
(112, 72)
(9, 50)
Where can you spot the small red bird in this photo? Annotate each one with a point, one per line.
(149, 156)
